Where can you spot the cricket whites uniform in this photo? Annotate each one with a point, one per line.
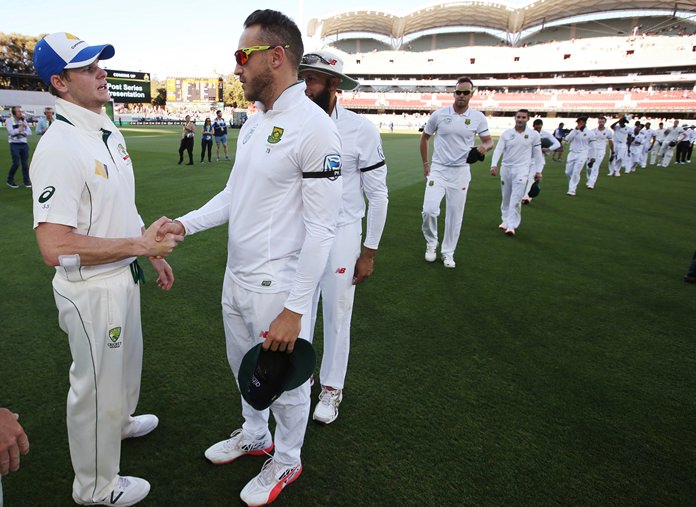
(636, 151)
(672, 136)
(364, 173)
(543, 134)
(450, 175)
(620, 150)
(281, 204)
(647, 145)
(521, 152)
(580, 145)
(83, 178)
(659, 138)
(599, 151)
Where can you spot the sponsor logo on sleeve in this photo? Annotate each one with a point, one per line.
(46, 194)
(380, 152)
(332, 163)
(123, 152)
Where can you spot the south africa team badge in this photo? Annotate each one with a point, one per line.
(276, 135)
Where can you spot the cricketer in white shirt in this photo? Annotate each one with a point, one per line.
(581, 143)
(520, 148)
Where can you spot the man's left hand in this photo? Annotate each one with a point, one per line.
(364, 266)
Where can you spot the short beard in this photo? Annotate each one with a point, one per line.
(259, 87)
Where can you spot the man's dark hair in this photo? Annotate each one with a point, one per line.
(465, 79)
(582, 118)
(537, 122)
(278, 30)
(602, 117)
(14, 110)
(525, 111)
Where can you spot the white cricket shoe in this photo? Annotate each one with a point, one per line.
(510, 231)
(139, 426)
(238, 445)
(502, 227)
(448, 261)
(265, 487)
(128, 491)
(430, 253)
(326, 410)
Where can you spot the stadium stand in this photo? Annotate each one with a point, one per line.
(552, 57)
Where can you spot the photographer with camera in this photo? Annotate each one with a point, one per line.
(17, 132)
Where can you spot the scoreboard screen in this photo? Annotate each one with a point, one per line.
(193, 89)
(126, 86)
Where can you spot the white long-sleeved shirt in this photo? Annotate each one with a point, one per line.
(520, 150)
(601, 139)
(580, 141)
(364, 174)
(555, 143)
(621, 133)
(282, 199)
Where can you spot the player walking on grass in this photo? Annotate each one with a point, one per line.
(88, 227)
(281, 204)
(619, 154)
(602, 136)
(548, 145)
(520, 148)
(580, 146)
(449, 174)
(364, 174)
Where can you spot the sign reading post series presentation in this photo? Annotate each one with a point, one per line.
(126, 86)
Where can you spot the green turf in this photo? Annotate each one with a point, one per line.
(554, 368)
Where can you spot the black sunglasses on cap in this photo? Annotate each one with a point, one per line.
(311, 59)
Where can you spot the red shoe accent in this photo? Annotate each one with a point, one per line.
(280, 487)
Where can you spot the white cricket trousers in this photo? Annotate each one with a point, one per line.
(621, 159)
(102, 319)
(655, 152)
(574, 164)
(593, 172)
(635, 157)
(665, 155)
(337, 294)
(455, 200)
(513, 184)
(246, 316)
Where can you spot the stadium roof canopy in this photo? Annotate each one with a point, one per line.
(497, 16)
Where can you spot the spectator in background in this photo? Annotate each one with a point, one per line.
(17, 132)
(186, 144)
(206, 140)
(220, 129)
(13, 442)
(46, 122)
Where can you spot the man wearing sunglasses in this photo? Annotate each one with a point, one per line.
(364, 174)
(449, 174)
(281, 204)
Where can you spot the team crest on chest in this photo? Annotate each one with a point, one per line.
(526, 136)
(467, 121)
(276, 135)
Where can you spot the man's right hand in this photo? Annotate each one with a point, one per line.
(162, 236)
(13, 442)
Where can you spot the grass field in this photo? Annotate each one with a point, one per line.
(554, 368)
